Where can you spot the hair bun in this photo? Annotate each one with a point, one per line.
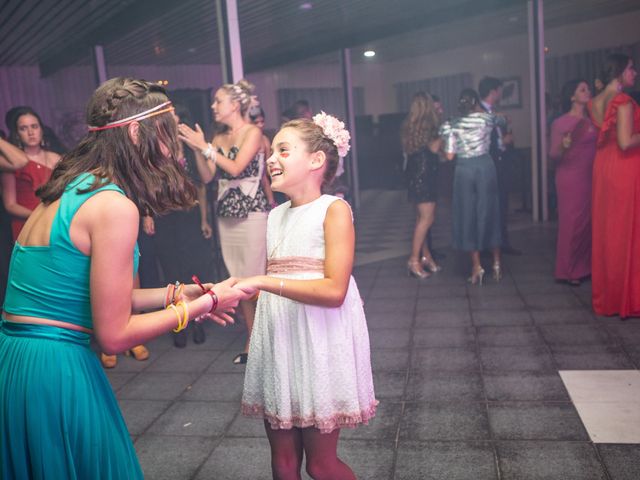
(246, 85)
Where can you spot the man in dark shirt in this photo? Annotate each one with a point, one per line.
(490, 91)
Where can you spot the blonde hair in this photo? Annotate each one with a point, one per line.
(420, 127)
(315, 139)
(240, 92)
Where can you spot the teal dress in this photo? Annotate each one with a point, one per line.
(59, 418)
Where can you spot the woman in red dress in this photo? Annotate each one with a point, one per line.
(616, 194)
(19, 188)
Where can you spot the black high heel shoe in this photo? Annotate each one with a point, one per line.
(198, 333)
(180, 339)
(241, 359)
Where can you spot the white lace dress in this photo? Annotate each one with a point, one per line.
(309, 366)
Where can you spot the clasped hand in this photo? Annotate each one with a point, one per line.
(228, 297)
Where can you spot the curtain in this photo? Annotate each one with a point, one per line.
(20, 85)
(330, 100)
(448, 88)
(586, 65)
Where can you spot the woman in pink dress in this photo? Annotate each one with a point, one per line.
(573, 147)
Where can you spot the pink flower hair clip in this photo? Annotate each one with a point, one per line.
(334, 129)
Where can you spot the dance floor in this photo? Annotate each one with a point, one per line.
(497, 382)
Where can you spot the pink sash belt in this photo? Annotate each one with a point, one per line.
(294, 265)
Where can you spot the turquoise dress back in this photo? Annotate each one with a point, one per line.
(38, 274)
(59, 418)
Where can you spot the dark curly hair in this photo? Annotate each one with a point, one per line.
(614, 65)
(468, 101)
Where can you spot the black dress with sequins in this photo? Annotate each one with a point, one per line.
(422, 176)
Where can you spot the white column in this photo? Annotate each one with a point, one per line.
(347, 88)
(229, 38)
(540, 204)
(99, 64)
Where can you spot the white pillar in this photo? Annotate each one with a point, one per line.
(229, 38)
(347, 88)
(99, 64)
(540, 204)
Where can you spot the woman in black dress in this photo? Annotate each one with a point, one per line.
(421, 143)
(182, 238)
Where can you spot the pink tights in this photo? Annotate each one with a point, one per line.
(288, 446)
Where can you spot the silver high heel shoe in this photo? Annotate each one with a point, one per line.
(414, 269)
(430, 265)
(497, 271)
(476, 276)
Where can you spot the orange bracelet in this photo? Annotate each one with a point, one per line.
(167, 296)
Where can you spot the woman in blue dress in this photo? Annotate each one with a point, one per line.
(71, 276)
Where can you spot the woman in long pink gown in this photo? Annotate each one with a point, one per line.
(573, 148)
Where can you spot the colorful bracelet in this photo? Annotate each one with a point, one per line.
(175, 310)
(214, 300)
(182, 323)
(168, 295)
(214, 297)
(178, 293)
(176, 287)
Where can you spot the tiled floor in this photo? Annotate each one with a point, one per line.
(468, 377)
(608, 403)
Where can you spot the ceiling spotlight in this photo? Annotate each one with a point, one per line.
(306, 6)
(369, 53)
(192, 50)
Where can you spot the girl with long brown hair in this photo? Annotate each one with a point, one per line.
(72, 274)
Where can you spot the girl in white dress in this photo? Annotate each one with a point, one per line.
(309, 368)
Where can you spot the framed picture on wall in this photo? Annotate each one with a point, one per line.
(511, 93)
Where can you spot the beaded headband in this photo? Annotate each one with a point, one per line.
(152, 112)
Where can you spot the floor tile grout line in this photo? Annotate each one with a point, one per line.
(177, 398)
(555, 363)
(537, 329)
(485, 402)
(228, 427)
(601, 460)
(217, 444)
(408, 369)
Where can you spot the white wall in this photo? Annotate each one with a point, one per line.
(70, 88)
(505, 57)
(605, 32)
